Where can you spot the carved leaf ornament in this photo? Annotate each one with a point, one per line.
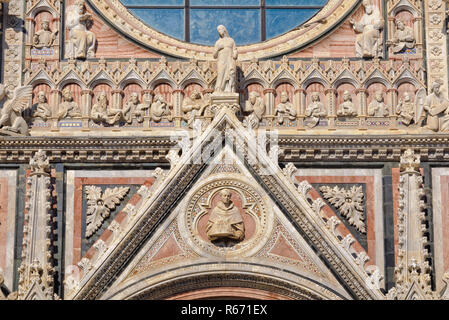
(100, 205)
(349, 203)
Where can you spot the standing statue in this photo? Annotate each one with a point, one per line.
(225, 223)
(406, 109)
(404, 38)
(368, 41)
(11, 120)
(377, 107)
(81, 41)
(315, 110)
(68, 109)
(226, 54)
(285, 109)
(102, 113)
(42, 109)
(347, 107)
(44, 38)
(160, 109)
(434, 109)
(255, 106)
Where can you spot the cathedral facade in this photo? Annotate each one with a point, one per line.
(246, 149)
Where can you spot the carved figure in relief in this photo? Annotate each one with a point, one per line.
(347, 108)
(226, 54)
(160, 109)
(102, 113)
(194, 106)
(225, 225)
(44, 38)
(68, 109)
(11, 120)
(406, 109)
(368, 40)
(285, 109)
(42, 109)
(81, 41)
(315, 110)
(377, 107)
(404, 37)
(255, 106)
(134, 109)
(434, 109)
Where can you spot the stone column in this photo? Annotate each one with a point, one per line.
(331, 97)
(30, 26)
(147, 98)
(54, 101)
(36, 271)
(117, 99)
(269, 95)
(86, 106)
(178, 96)
(392, 101)
(299, 98)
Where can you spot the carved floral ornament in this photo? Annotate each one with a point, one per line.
(226, 227)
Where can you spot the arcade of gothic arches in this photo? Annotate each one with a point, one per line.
(245, 149)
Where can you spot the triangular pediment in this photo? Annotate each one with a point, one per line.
(263, 190)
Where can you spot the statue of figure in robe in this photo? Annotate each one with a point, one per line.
(368, 41)
(81, 41)
(226, 54)
(225, 225)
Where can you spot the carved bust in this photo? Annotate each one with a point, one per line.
(68, 108)
(225, 225)
(285, 109)
(255, 106)
(42, 109)
(347, 107)
(404, 37)
(44, 37)
(134, 109)
(377, 107)
(160, 109)
(315, 110)
(406, 109)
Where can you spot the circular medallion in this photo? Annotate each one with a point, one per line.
(226, 216)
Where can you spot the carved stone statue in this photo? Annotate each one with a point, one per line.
(102, 113)
(255, 106)
(81, 40)
(42, 109)
(435, 108)
(404, 37)
(160, 109)
(11, 120)
(368, 40)
(68, 109)
(134, 109)
(377, 107)
(347, 108)
(406, 109)
(285, 109)
(226, 54)
(315, 110)
(225, 223)
(44, 38)
(194, 106)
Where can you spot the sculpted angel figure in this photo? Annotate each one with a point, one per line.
(134, 109)
(315, 110)
(44, 38)
(225, 222)
(160, 109)
(42, 109)
(68, 109)
(81, 40)
(255, 106)
(404, 37)
(347, 107)
(368, 42)
(226, 54)
(406, 109)
(102, 112)
(11, 119)
(377, 107)
(285, 109)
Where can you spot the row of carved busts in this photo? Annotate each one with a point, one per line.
(196, 105)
